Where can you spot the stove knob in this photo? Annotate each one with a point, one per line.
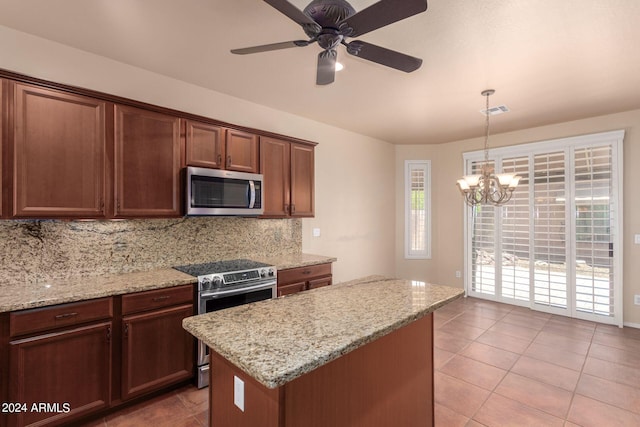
(272, 272)
(205, 284)
(217, 281)
(263, 273)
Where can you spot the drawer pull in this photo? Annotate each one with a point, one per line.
(65, 316)
(162, 298)
(306, 272)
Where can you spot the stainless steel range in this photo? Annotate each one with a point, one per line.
(225, 284)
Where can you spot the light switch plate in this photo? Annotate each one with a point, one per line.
(636, 239)
(316, 232)
(238, 392)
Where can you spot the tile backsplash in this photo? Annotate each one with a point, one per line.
(44, 250)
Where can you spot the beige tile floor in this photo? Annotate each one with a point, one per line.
(495, 365)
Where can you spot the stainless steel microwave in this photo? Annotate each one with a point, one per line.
(222, 192)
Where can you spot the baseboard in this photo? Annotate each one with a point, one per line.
(632, 325)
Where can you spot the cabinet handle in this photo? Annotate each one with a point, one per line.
(162, 298)
(126, 330)
(228, 161)
(286, 208)
(219, 160)
(306, 272)
(293, 209)
(65, 316)
(108, 333)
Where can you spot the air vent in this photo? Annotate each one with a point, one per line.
(493, 111)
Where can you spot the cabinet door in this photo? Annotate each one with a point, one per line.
(302, 180)
(205, 145)
(70, 371)
(275, 167)
(156, 350)
(3, 137)
(242, 151)
(59, 154)
(147, 163)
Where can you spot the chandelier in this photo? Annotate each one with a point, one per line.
(488, 187)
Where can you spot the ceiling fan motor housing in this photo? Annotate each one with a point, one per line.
(328, 14)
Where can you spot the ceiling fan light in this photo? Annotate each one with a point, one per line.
(339, 66)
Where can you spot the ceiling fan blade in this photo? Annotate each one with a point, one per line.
(326, 67)
(383, 56)
(272, 46)
(380, 14)
(291, 11)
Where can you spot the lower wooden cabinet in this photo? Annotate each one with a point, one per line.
(156, 350)
(293, 280)
(69, 361)
(60, 376)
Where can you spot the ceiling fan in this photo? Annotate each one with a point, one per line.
(331, 22)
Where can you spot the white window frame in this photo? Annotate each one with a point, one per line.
(409, 166)
(570, 143)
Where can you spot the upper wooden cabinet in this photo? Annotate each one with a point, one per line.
(3, 127)
(302, 180)
(288, 170)
(205, 145)
(212, 146)
(242, 151)
(147, 163)
(275, 167)
(58, 154)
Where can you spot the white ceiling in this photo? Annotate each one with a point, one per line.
(550, 61)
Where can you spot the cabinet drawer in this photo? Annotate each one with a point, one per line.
(158, 298)
(318, 283)
(58, 316)
(301, 274)
(292, 288)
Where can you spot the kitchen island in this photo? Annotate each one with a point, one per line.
(354, 354)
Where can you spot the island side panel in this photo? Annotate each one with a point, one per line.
(261, 404)
(387, 382)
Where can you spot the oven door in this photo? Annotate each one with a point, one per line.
(227, 298)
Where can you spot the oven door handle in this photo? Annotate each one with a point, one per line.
(239, 291)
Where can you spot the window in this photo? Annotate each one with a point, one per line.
(556, 245)
(417, 184)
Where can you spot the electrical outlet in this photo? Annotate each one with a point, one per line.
(636, 239)
(316, 232)
(458, 274)
(636, 299)
(238, 392)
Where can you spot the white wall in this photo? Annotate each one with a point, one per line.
(354, 173)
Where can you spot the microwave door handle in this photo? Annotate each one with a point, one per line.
(252, 194)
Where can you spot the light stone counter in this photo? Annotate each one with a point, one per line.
(45, 293)
(42, 293)
(276, 341)
(284, 262)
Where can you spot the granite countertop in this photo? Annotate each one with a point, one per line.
(284, 262)
(46, 293)
(276, 341)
